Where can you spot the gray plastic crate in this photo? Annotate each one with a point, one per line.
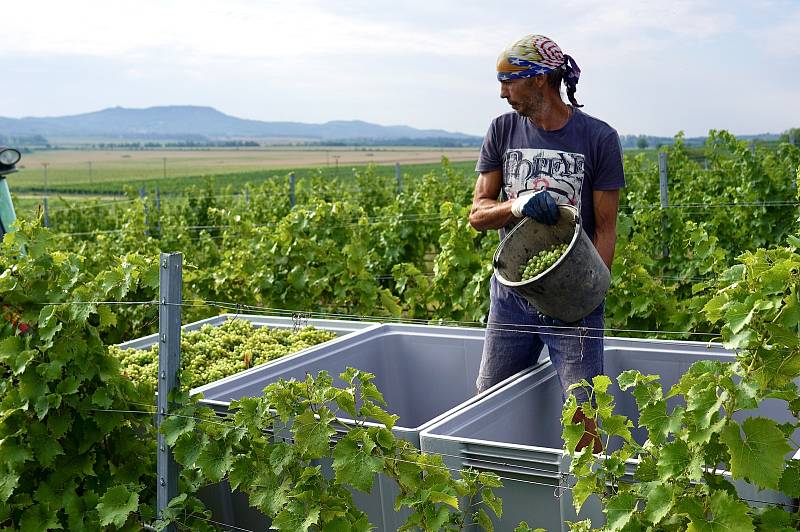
(425, 373)
(232, 508)
(516, 432)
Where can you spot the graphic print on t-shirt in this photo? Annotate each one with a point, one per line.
(533, 169)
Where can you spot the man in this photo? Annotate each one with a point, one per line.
(543, 154)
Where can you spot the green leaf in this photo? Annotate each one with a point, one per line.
(188, 449)
(215, 460)
(674, 459)
(12, 453)
(8, 482)
(585, 486)
(758, 457)
(619, 510)
(729, 514)
(600, 383)
(714, 307)
(775, 520)
(312, 434)
(270, 494)
(492, 501)
(783, 336)
(738, 315)
(107, 317)
(101, 398)
(739, 340)
(46, 450)
(659, 502)
(281, 457)
(618, 426)
(484, 521)
(646, 471)
(354, 464)
(38, 518)
(370, 391)
(296, 517)
(346, 400)
(378, 414)
(790, 479)
(175, 426)
(658, 423)
(116, 505)
(441, 497)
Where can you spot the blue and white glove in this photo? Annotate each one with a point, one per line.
(540, 206)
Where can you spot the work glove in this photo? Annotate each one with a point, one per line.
(540, 206)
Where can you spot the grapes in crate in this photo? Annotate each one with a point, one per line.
(542, 261)
(212, 353)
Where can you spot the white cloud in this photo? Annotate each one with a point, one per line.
(428, 64)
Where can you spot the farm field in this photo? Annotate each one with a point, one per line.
(720, 263)
(109, 169)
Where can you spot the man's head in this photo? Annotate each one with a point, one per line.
(532, 68)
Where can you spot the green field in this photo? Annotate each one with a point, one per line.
(110, 171)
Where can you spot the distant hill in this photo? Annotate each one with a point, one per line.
(193, 122)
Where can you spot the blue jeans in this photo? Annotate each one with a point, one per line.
(516, 332)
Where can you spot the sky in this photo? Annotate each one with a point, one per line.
(648, 67)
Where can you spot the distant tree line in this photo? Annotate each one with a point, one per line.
(432, 142)
(23, 141)
(180, 144)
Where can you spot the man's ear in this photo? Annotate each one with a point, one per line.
(539, 81)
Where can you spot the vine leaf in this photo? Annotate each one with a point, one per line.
(296, 517)
(188, 449)
(484, 521)
(174, 426)
(659, 501)
(215, 460)
(8, 482)
(37, 518)
(758, 457)
(312, 433)
(619, 510)
(790, 480)
(728, 515)
(674, 459)
(116, 505)
(353, 462)
(658, 423)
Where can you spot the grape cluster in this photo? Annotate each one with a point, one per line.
(211, 353)
(542, 261)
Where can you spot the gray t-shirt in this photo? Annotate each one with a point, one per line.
(570, 162)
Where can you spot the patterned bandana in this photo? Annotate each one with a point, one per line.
(534, 55)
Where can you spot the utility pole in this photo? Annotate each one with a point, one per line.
(45, 165)
(165, 167)
(336, 158)
(663, 178)
(46, 213)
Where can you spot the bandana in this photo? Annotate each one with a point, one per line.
(534, 55)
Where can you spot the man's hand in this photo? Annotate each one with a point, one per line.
(540, 206)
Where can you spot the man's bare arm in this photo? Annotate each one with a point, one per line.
(487, 212)
(606, 203)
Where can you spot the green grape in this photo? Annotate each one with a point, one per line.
(542, 261)
(212, 353)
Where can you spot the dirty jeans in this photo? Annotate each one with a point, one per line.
(516, 333)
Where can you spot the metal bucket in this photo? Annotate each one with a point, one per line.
(572, 287)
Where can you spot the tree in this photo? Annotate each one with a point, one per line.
(792, 136)
(641, 142)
